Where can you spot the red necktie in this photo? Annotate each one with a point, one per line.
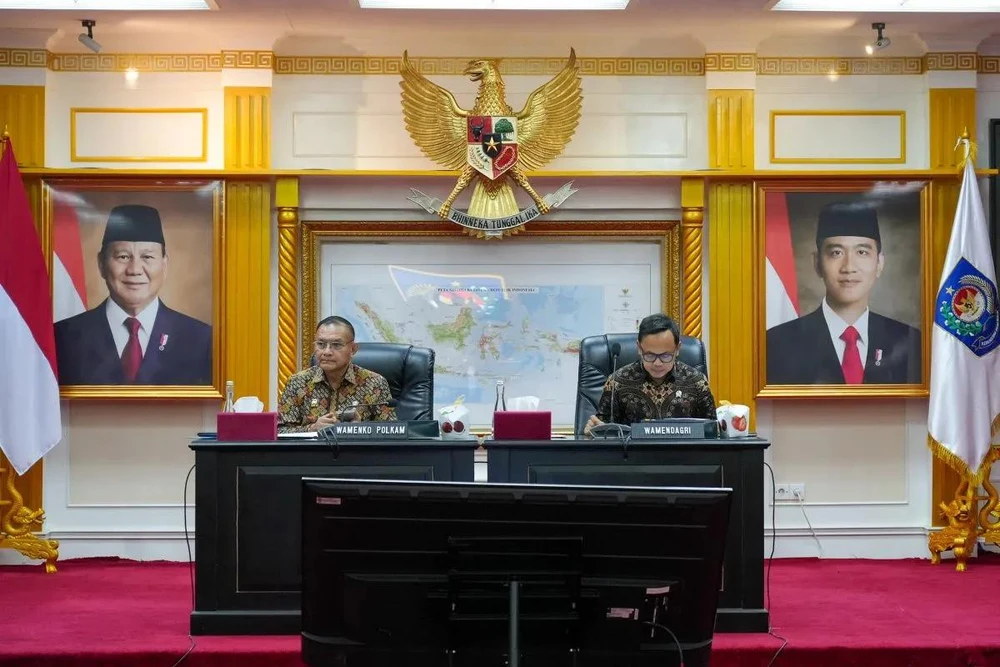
(854, 372)
(132, 354)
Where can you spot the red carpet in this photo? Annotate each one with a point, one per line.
(834, 613)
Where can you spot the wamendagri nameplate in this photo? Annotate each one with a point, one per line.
(371, 430)
(686, 429)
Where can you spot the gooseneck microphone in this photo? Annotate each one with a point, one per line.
(616, 350)
(329, 433)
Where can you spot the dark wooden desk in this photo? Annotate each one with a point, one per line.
(737, 463)
(248, 498)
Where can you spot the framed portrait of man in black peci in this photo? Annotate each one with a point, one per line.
(844, 289)
(135, 300)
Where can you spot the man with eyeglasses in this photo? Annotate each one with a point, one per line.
(658, 385)
(335, 389)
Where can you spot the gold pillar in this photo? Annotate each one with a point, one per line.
(692, 226)
(730, 129)
(287, 201)
(732, 334)
(951, 111)
(248, 287)
(22, 113)
(248, 128)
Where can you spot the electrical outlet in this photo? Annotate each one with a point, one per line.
(791, 492)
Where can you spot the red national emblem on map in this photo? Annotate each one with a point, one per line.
(492, 144)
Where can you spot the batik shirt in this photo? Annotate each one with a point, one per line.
(308, 396)
(684, 392)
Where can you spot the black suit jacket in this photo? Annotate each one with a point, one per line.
(801, 352)
(86, 352)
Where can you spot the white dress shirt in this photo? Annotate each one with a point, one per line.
(837, 326)
(116, 320)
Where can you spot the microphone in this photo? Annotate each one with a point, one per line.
(616, 350)
(349, 413)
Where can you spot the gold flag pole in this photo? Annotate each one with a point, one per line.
(965, 525)
(16, 520)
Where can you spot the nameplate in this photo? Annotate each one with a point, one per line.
(370, 430)
(678, 429)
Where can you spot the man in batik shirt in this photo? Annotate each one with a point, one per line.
(657, 386)
(335, 387)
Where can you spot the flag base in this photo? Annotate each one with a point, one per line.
(18, 520)
(989, 516)
(962, 531)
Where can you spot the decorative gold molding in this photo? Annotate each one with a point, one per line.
(730, 129)
(730, 62)
(24, 58)
(22, 113)
(777, 113)
(692, 233)
(248, 59)
(248, 287)
(286, 199)
(248, 128)
(389, 65)
(989, 64)
(142, 62)
(772, 66)
(951, 62)
(74, 112)
(951, 111)
(732, 323)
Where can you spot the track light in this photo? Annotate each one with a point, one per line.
(881, 42)
(87, 38)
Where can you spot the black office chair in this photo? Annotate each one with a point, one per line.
(595, 367)
(409, 371)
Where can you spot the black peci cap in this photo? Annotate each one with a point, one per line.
(848, 219)
(133, 222)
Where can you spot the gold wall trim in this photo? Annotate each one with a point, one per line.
(950, 111)
(247, 128)
(732, 323)
(142, 62)
(24, 58)
(773, 66)
(76, 157)
(389, 65)
(692, 252)
(286, 199)
(730, 62)
(248, 59)
(777, 113)
(730, 129)
(248, 288)
(22, 113)
(951, 61)
(989, 64)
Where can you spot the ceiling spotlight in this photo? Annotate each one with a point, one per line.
(87, 38)
(881, 42)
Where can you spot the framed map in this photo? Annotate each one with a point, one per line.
(514, 310)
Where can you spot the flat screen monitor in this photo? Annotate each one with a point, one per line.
(454, 574)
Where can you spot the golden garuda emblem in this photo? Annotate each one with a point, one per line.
(492, 144)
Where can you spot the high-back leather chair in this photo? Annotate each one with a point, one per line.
(595, 367)
(409, 371)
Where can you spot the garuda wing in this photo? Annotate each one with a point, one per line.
(549, 118)
(433, 118)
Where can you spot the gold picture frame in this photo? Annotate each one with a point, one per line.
(898, 282)
(191, 212)
(314, 235)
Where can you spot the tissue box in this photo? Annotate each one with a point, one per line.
(247, 426)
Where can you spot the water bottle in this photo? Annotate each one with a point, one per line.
(228, 405)
(501, 403)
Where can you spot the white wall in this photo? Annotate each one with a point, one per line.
(355, 122)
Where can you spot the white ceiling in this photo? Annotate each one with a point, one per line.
(647, 27)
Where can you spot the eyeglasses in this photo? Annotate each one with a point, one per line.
(335, 345)
(649, 357)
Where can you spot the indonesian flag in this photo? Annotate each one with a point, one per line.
(69, 285)
(781, 286)
(964, 413)
(30, 422)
